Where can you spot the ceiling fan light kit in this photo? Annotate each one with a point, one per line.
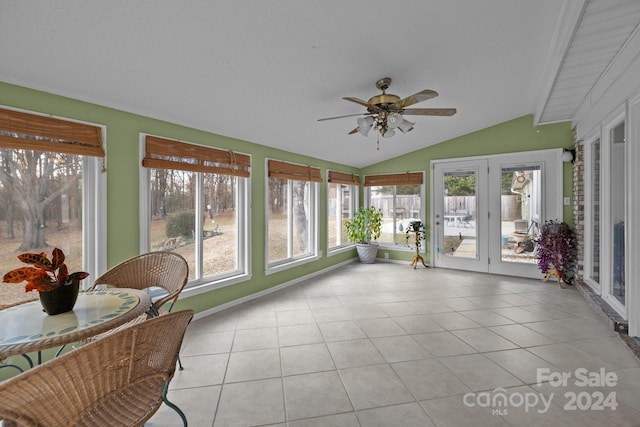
(385, 112)
(365, 124)
(406, 126)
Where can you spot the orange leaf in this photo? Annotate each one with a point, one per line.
(31, 286)
(40, 286)
(38, 260)
(19, 275)
(63, 272)
(57, 258)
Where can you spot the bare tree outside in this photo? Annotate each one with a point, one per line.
(288, 220)
(300, 214)
(41, 203)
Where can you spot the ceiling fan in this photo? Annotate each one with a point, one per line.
(385, 112)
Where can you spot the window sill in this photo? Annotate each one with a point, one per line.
(294, 263)
(340, 249)
(201, 288)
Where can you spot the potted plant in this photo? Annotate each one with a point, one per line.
(363, 228)
(557, 251)
(58, 289)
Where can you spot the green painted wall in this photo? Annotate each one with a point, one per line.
(123, 162)
(122, 185)
(508, 137)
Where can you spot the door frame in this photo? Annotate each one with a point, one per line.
(552, 183)
(478, 166)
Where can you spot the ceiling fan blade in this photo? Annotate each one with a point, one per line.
(430, 111)
(416, 97)
(359, 101)
(339, 117)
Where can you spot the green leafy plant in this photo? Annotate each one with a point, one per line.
(416, 230)
(365, 226)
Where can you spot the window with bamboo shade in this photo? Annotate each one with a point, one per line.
(162, 153)
(342, 202)
(197, 203)
(399, 196)
(292, 214)
(28, 131)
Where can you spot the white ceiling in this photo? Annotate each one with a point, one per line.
(265, 71)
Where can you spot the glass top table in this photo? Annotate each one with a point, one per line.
(26, 328)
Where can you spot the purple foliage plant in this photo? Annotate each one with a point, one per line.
(557, 248)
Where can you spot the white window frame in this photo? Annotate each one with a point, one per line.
(355, 197)
(606, 233)
(207, 283)
(314, 206)
(589, 212)
(633, 207)
(606, 248)
(398, 247)
(94, 216)
(94, 205)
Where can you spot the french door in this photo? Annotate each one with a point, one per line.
(487, 212)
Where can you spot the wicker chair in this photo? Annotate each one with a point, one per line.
(120, 380)
(166, 270)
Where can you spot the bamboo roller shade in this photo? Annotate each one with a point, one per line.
(284, 170)
(164, 153)
(27, 131)
(409, 178)
(343, 178)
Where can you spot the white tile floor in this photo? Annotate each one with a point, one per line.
(386, 345)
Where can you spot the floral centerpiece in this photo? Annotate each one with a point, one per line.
(50, 277)
(557, 251)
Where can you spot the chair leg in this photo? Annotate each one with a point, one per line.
(173, 405)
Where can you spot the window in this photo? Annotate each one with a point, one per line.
(196, 205)
(593, 211)
(400, 198)
(606, 206)
(51, 190)
(617, 207)
(342, 202)
(291, 214)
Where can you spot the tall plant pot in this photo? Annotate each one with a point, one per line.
(60, 300)
(367, 252)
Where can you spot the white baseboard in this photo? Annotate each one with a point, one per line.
(271, 290)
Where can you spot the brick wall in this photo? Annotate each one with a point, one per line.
(578, 204)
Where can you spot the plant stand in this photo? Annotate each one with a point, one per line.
(417, 257)
(553, 272)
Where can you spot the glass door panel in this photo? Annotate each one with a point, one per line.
(460, 216)
(460, 196)
(520, 213)
(525, 191)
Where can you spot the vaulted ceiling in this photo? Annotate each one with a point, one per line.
(266, 71)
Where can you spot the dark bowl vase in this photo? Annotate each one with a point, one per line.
(60, 300)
